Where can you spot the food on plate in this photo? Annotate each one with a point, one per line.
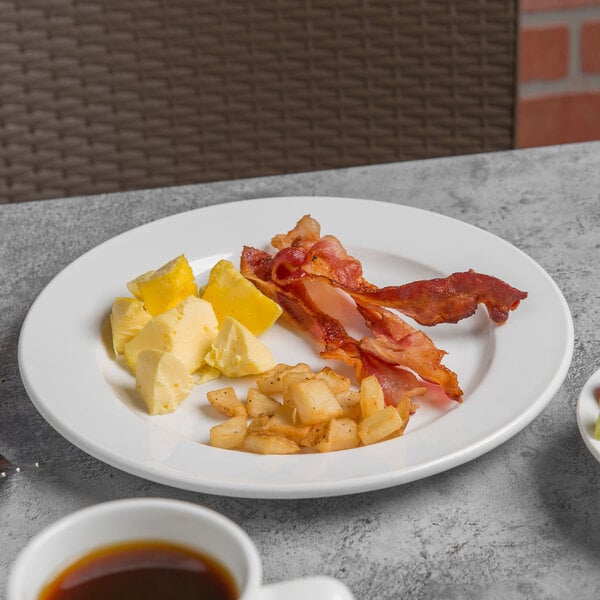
(167, 328)
(233, 295)
(165, 288)
(127, 318)
(187, 331)
(225, 400)
(173, 338)
(162, 381)
(404, 360)
(310, 411)
(230, 434)
(237, 352)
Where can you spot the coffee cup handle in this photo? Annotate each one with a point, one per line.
(315, 588)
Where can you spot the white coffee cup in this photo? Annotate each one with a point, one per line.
(183, 523)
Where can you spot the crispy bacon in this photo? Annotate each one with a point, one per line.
(394, 356)
(396, 342)
(404, 359)
(306, 232)
(448, 299)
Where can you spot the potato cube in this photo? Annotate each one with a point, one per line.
(258, 424)
(340, 434)
(229, 434)
(288, 379)
(258, 404)
(379, 425)
(270, 382)
(371, 396)
(285, 422)
(225, 400)
(314, 401)
(269, 443)
(350, 403)
(338, 383)
(314, 434)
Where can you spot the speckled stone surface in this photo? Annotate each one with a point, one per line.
(522, 521)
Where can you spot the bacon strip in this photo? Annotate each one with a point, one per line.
(392, 356)
(396, 342)
(449, 299)
(396, 352)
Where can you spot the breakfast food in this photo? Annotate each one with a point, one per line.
(165, 288)
(171, 339)
(174, 337)
(127, 318)
(187, 331)
(162, 381)
(236, 352)
(405, 360)
(232, 295)
(307, 411)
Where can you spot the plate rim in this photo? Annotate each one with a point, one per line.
(584, 405)
(460, 456)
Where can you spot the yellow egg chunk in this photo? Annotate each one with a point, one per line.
(231, 294)
(237, 352)
(163, 289)
(134, 286)
(187, 331)
(127, 318)
(162, 381)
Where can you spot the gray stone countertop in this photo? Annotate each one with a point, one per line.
(522, 521)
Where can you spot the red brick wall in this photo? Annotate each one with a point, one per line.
(559, 72)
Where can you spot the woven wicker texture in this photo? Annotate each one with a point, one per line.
(98, 97)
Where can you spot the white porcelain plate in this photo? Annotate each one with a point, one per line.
(588, 411)
(79, 388)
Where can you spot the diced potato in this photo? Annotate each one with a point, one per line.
(270, 382)
(371, 396)
(350, 403)
(225, 400)
(314, 434)
(289, 378)
(336, 434)
(269, 443)
(338, 383)
(258, 404)
(258, 424)
(284, 422)
(314, 401)
(379, 425)
(229, 434)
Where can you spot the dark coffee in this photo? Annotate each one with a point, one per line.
(143, 571)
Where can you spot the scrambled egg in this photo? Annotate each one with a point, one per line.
(232, 295)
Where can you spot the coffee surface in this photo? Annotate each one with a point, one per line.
(143, 571)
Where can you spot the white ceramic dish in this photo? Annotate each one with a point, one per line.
(588, 411)
(79, 388)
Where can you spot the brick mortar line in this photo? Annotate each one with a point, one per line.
(576, 80)
(557, 16)
(573, 86)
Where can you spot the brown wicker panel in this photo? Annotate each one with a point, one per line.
(124, 95)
